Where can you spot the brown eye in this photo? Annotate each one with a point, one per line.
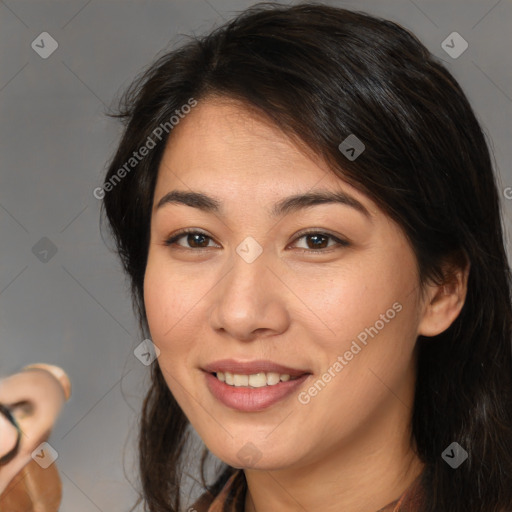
(318, 242)
(197, 240)
(194, 239)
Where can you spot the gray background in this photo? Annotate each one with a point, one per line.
(74, 309)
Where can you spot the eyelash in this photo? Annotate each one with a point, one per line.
(171, 241)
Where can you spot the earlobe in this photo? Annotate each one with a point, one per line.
(443, 303)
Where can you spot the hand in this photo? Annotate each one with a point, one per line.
(35, 397)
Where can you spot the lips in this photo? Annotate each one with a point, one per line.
(252, 367)
(248, 399)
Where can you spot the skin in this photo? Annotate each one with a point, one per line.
(348, 448)
(35, 396)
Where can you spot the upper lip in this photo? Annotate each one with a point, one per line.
(252, 367)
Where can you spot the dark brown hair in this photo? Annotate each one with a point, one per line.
(322, 73)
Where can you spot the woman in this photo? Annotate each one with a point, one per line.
(305, 205)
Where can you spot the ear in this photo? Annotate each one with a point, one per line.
(443, 302)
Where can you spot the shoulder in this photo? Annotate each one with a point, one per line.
(231, 498)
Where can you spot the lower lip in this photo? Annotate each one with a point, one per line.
(249, 399)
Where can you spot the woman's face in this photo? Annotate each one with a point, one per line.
(250, 288)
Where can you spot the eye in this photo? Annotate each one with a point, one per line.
(318, 239)
(199, 240)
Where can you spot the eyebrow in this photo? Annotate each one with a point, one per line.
(283, 207)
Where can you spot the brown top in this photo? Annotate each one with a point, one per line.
(232, 498)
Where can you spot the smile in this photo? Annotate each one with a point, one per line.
(244, 396)
(256, 380)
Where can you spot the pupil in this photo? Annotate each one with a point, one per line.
(317, 237)
(195, 237)
(192, 239)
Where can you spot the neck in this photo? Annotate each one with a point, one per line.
(361, 474)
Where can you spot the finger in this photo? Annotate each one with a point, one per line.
(57, 372)
(35, 397)
(8, 437)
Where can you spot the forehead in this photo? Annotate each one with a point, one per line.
(227, 135)
(224, 148)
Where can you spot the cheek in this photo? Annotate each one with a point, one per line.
(159, 302)
(169, 297)
(169, 303)
(370, 308)
(350, 297)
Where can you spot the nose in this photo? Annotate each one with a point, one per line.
(250, 301)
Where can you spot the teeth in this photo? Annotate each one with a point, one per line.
(257, 380)
(241, 380)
